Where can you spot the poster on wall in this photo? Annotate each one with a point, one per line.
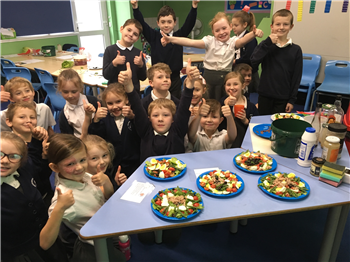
(255, 6)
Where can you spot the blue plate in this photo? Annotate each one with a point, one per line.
(174, 218)
(284, 198)
(273, 167)
(219, 195)
(164, 179)
(260, 130)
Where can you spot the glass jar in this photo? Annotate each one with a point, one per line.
(323, 133)
(338, 130)
(331, 149)
(316, 165)
(326, 109)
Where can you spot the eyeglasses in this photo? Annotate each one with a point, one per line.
(13, 158)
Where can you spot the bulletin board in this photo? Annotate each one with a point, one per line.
(255, 6)
(323, 29)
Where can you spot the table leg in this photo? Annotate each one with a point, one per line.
(101, 249)
(329, 233)
(94, 91)
(158, 236)
(338, 235)
(234, 226)
(243, 222)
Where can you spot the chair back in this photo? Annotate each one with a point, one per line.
(11, 72)
(6, 63)
(337, 77)
(311, 67)
(57, 101)
(147, 91)
(44, 76)
(65, 47)
(74, 49)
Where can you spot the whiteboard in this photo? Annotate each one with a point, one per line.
(324, 34)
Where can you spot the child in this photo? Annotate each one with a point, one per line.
(163, 133)
(209, 118)
(68, 158)
(123, 51)
(21, 90)
(25, 230)
(159, 76)
(246, 71)
(115, 125)
(282, 66)
(234, 96)
(243, 22)
(172, 54)
(219, 51)
(72, 116)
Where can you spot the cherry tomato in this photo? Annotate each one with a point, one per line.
(234, 189)
(175, 190)
(161, 194)
(190, 210)
(196, 204)
(206, 188)
(202, 184)
(167, 213)
(184, 191)
(227, 175)
(212, 186)
(158, 202)
(228, 189)
(211, 182)
(171, 169)
(195, 198)
(162, 210)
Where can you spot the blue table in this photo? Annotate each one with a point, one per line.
(119, 217)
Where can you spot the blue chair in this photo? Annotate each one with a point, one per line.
(44, 76)
(336, 80)
(6, 63)
(147, 91)
(311, 67)
(183, 80)
(56, 100)
(74, 49)
(100, 55)
(11, 72)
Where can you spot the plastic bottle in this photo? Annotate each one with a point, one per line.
(316, 121)
(124, 246)
(307, 146)
(331, 149)
(338, 111)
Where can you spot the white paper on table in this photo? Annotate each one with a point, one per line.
(138, 191)
(200, 171)
(65, 57)
(6, 56)
(259, 143)
(30, 61)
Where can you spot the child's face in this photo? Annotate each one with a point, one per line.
(247, 75)
(130, 34)
(234, 87)
(237, 26)
(281, 26)
(211, 122)
(70, 92)
(161, 119)
(115, 103)
(97, 157)
(222, 30)
(161, 81)
(21, 120)
(7, 167)
(22, 94)
(166, 24)
(198, 92)
(73, 167)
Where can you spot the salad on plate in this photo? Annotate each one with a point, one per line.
(164, 167)
(254, 161)
(220, 182)
(286, 115)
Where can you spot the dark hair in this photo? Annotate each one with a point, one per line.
(245, 18)
(134, 22)
(243, 66)
(165, 11)
(63, 146)
(97, 141)
(283, 13)
(214, 106)
(158, 67)
(115, 88)
(18, 142)
(13, 107)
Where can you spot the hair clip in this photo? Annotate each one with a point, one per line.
(246, 9)
(203, 80)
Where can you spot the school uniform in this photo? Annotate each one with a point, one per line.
(151, 97)
(215, 142)
(66, 124)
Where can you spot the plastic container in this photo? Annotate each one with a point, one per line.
(316, 121)
(59, 48)
(338, 111)
(80, 60)
(331, 149)
(124, 246)
(316, 165)
(338, 130)
(307, 146)
(286, 136)
(48, 50)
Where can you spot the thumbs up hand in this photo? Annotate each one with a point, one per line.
(100, 113)
(273, 36)
(231, 99)
(120, 178)
(118, 60)
(65, 200)
(124, 78)
(100, 178)
(38, 132)
(138, 60)
(5, 96)
(257, 32)
(89, 108)
(204, 109)
(192, 74)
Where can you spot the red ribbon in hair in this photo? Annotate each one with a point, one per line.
(246, 9)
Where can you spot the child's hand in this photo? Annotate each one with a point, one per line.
(138, 60)
(127, 112)
(124, 77)
(257, 32)
(38, 132)
(101, 112)
(273, 36)
(204, 109)
(289, 107)
(226, 111)
(165, 39)
(120, 178)
(230, 100)
(134, 4)
(118, 60)
(195, 4)
(5, 96)
(89, 108)
(192, 72)
(241, 114)
(45, 145)
(100, 178)
(65, 200)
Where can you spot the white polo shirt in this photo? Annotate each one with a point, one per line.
(216, 142)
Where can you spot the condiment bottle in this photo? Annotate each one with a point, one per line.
(338, 111)
(306, 151)
(316, 121)
(124, 246)
(316, 165)
(59, 48)
(331, 149)
(323, 134)
(338, 130)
